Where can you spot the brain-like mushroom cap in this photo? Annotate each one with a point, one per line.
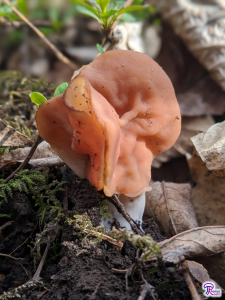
(117, 114)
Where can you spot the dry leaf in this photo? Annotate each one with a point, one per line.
(201, 26)
(197, 270)
(43, 150)
(210, 145)
(215, 265)
(201, 241)
(177, 199)
(9, 137)
(207, 193)
(196, 92)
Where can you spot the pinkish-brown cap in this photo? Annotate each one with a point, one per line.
(117, 114)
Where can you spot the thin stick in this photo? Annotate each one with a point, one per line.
(18, 24)
(42, 294)
(5, 225)
(28, 275)
(127, 3)
(38, 272)
(9, 256)
(116, 202)
(145, 289)
(119, 271)
(65, 200)
(26, 160)
(58, 54)
(192, 289)
(167, 205)
(95, 291)
(104, 237)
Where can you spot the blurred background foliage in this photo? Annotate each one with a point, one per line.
(67, 24)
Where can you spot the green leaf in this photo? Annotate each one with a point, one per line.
(87, 12)
(37, 98)
(109, 13)
(91, 9)
(116, 4)
(100, 49)
(103, 4)
(46, 30)
(131, 9)
(60, 89)
(22, 6)
(112, 5)
(4, 10)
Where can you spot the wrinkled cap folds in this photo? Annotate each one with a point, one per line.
(116, 115)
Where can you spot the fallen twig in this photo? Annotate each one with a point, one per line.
(58, 54)
(190, 284)
(28, 275)
(5, 225)
(42, 294)
(115, 201)
(36, 276)
(9, 256)
(20, 291)
(145, 289)
(104, 237)
(95, 291)
(119, 271)
(26, 160)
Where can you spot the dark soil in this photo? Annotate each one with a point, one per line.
(82, 268)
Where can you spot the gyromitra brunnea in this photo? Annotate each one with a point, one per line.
(116, 115)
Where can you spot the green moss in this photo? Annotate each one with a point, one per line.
(36, 184)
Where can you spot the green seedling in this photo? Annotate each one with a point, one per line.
(106, 11)
(100, 49)
(60, 89)
(37, 98)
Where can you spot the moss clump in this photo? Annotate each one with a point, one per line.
(145, 243)
(35, 183)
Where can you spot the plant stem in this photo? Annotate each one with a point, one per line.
(26, 160)
(127, 3)
(58, 54)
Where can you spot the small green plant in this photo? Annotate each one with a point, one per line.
(106, 11)
(103, 205)
(145, 243)
(24, 182)
(100, 49)
(36, 184)
(83, 223)
(38, 98)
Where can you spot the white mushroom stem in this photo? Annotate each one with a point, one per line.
(133, 206)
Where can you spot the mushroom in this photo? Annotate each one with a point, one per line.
(116, 115)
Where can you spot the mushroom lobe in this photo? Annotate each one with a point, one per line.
(116, 115)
